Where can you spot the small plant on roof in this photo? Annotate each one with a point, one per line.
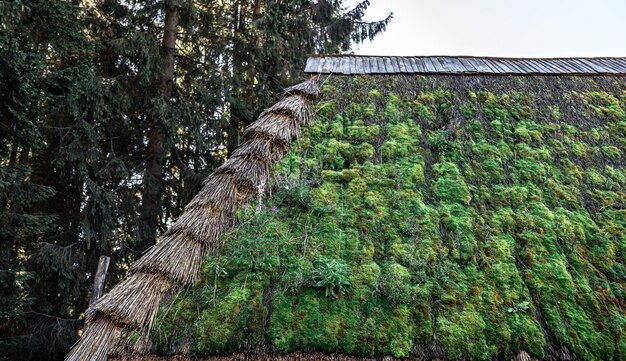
(518, 307)
(331, 274)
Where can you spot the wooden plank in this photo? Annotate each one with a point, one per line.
(591, 64)
(99, 278)
(600, 68)
(554, 68)
(374, 65)
(513, 65)
(585, 67)
(536, 67)
(342, 67)
(520, 64)
(456, 64)
(409, 65)
(539, 67)
(446, 65)
(462, 65)
(367, 65)
(439, 65)
(329, 65)
(439, 68)
(385, 67)
(402, 65)
(567, 65)
(355, 65)
(502, 65)
(479, 65)
(468, 65)
(349, 69)
(502, 68)
(395, 65)
(350, 65)
(621, 63)
(489, 63)
(437, 62)
(576, 67)
(524, 67)
(323, 67)
(615, 65)
(609, 64)
(412, 65)
(564, 66)
(311, 65)
(392, 64)
(418, 65)
(542, 67)
(557, 64)
(360, 66)
(320, 66)
(430, 66)
(381, 65)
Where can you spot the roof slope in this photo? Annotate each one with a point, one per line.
(175, 260)
(352, 65)
(457, 216)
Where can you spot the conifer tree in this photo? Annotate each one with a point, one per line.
(111, 115)
(41, 279)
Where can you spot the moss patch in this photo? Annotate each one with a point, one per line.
(487, 215)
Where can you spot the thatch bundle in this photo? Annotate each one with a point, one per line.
(176, 259)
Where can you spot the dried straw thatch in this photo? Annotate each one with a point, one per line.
(176, 259)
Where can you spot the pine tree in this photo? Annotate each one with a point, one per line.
(111, 115)
(36, 321)
(271, 41)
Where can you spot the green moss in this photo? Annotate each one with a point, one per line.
(486, 215)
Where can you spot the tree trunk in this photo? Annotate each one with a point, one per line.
(151, 197)
(100, 277)
(238, 107)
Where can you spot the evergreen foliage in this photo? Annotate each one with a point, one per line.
(482, 215)
(104, 138)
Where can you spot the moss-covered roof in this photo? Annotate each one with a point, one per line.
(457, 216)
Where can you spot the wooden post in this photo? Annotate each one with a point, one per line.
(98, 282)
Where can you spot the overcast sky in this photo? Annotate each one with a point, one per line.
(515, 28)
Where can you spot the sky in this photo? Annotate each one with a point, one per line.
(506, 28)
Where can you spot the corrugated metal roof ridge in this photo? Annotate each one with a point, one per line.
(363, 64)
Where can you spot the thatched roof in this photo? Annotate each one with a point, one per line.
(176, 259)
(419, 216)
(295, 356)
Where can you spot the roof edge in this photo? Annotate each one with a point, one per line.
(345, 64)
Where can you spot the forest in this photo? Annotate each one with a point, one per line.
(111, 115)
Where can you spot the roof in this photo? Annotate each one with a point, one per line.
(427, 217)
(424, 217)
(353, 65)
